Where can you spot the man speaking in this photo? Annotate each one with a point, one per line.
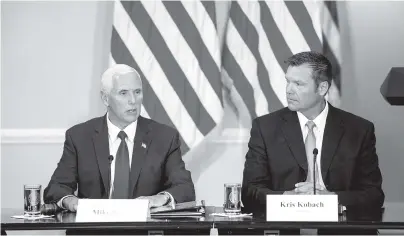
(121, 155)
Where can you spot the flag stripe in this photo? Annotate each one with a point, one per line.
(314, 9)
(331, 33)
(169, 65)
(205, 26)
(185, 59)
(288, 27)
(305, 24)
(336, 68)
(241, 83)
(331, 38)
(275, 38)
(192, 36)
(332, 8)
(153, 72)
(248, 65)
(210, 7)
(277, 75)
(151, 103)
(249, 35)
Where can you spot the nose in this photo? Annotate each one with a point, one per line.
(132, 98)
(289, 88)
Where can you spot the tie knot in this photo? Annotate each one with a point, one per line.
(122, 135)
(310, 124)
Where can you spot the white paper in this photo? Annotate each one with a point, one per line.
(112, 210)
(30, 217)
(231, 215)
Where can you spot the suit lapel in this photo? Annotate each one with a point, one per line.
(101, 146)
(332, 136)
(294, 137)
(140, 148)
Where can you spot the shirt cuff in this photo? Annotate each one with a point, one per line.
(171, 201)
(59, 203)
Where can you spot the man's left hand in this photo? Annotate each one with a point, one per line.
(307, 188)
(156, 200)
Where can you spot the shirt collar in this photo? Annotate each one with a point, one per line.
(113, 130)
(320, 120)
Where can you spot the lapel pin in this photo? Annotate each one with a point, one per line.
(143, 145)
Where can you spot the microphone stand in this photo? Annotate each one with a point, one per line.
(315, 152)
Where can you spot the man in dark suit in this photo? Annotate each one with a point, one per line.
(280, 155)
(121, 155)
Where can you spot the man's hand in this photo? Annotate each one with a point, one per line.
(304, 188)
(307, 188)
(70, 203)
(156, 200)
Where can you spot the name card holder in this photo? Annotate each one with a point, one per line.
(112, 210)
(321, 208)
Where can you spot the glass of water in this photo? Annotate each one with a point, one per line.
(232, 198)
(32, 199)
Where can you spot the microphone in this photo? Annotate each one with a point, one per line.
(315, 152)
(110, 159)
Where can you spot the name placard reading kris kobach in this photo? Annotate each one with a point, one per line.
(302, 208)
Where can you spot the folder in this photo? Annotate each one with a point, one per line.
(185, 209)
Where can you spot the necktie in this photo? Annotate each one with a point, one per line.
(310, 144)
(122, 170)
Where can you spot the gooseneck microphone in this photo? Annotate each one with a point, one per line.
(110, 159)
(315, 152)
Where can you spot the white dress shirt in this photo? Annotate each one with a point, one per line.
(115, 141)
(318, 130)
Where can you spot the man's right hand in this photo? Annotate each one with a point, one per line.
(70, 203)
(304, 188)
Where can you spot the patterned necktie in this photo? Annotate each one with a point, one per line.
(122, 170)
(310, 144)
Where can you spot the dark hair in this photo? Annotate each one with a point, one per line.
(321, 66)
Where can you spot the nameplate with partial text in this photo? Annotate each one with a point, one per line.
(112, 210)
(322, 208)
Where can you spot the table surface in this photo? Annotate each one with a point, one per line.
(391, 217)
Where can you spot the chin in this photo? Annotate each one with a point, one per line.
(292, 107)
(131, 118)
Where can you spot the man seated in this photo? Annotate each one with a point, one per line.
(121, 155)
(280, 155)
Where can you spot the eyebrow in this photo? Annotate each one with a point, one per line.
(296, 79)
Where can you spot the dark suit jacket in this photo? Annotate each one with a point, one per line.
(84, 163)
(276, 159)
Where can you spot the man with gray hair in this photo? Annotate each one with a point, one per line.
(121, 155)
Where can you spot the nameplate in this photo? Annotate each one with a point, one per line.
(302, 208)
(112, 210)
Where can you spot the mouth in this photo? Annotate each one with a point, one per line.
(131, 111)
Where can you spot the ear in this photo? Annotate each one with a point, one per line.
(104, 98)
(323, 88)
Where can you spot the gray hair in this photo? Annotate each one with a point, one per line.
(112, 73)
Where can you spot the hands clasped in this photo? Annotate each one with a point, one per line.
(306, 188)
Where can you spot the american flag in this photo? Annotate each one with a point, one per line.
(187, 62)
